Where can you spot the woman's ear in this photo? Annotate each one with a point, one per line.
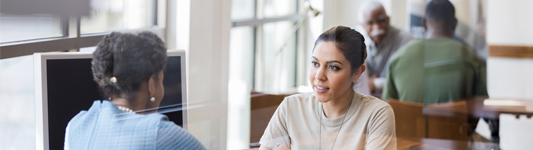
(358, 73)
(151, 86)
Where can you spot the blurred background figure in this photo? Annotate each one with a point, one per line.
(437, 69)
(382, 40)
(417, 68)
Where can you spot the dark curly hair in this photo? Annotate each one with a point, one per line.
(130, 58)
(350, 42)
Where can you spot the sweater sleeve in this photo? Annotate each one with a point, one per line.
(171, 136)
(276, 132)
(381, 132)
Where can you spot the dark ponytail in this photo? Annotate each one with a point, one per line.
(350, 42)
(130, 58)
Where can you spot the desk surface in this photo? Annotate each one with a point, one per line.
(492, 108)
(432, 144)
(440, 144)
(508, 105)
(426, 143)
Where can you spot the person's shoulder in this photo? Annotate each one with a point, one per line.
(411, 47)
(402, 34)
(86, 116)
(172, 136)
(304, 99)
(170, 126)
(413, 43)
(155, 117)
(467, 53)
(82, 125)
(374, 103)
(300, 96)
(453, 43)
(378, 109)
(465, 49)
(445, 43)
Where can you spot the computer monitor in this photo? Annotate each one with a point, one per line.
(64, 86)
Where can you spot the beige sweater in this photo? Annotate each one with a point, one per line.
(369, 124)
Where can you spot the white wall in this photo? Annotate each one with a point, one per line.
(509, 23)
(510, 78)
(516, 132)
(202, 28)
(398, 13)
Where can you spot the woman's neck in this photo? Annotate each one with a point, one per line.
(134, 103)
(337, 108)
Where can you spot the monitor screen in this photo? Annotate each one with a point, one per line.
(70, 88)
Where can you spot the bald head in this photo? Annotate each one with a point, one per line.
(374, 19)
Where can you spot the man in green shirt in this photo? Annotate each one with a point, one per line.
(437, 69)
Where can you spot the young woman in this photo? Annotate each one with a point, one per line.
(334, 116)
(129, 70)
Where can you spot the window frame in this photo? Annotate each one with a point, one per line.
(257, 23)
(72, 39)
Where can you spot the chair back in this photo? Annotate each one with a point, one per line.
(409, 118)
(262, 108)
(447, 121)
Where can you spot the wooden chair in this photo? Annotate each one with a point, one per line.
(447, 121)
(409, 118)
(263, 107)
(438, 121)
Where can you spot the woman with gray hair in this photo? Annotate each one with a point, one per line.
(129, 70)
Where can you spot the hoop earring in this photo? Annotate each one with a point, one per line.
(152, 99)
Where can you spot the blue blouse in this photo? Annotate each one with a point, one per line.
(104, 126)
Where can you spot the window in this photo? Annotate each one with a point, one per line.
(25, 35)
(263, 58)
(279, 63)
(17, 122)
(111, 15)
(18, 28)
(262, 30)
(242, 45)
(278, 8)
(243, 9)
